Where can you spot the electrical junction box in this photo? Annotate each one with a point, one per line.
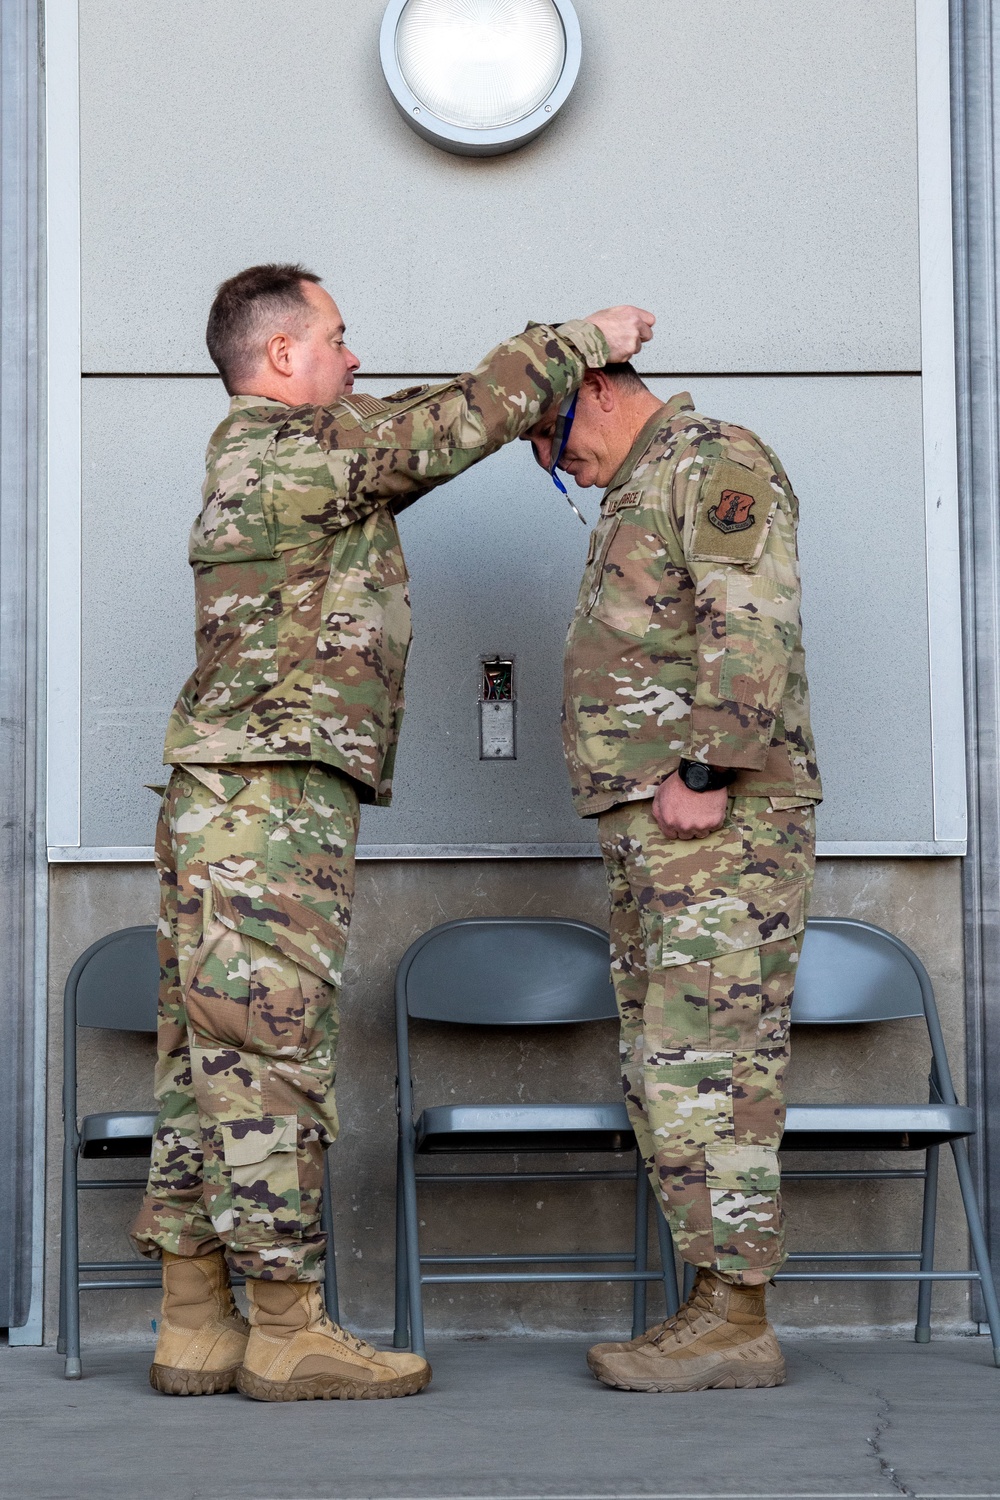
(497, 706)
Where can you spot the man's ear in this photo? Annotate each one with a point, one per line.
(600, 389)
(279, 353)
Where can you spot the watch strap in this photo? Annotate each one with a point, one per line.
(698, 777)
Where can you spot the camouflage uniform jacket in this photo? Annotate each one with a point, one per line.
(686, 641)
(302, 608)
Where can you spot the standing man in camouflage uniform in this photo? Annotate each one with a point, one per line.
(686, 729)
(290, 718)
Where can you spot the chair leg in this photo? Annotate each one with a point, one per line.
(331, 1293)
(690, 1272)
(639, 1249)
(666, 1241)
(61, 1340)
(401, 1331)
(979, 1248)
(412, 1235)
(71, 1260)
(922, 1332)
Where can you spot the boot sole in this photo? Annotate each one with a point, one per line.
(329, 1388)
(173, 1382)
(725, 1377)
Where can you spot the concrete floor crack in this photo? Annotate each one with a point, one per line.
(883, 1421)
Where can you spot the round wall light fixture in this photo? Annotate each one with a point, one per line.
(480, 77)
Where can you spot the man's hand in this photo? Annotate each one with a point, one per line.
(626, 330)
(683, 814)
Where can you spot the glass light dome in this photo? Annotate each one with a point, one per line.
(480, 76)
(481, 63)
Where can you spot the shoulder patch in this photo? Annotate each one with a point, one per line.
(735, 510)
(409, 393)
(363, 405)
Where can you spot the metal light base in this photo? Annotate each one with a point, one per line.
(456, 138)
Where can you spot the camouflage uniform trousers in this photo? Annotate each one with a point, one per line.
(705, 936)
(256, 867)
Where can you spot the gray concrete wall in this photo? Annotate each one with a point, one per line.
(918, 899)
(751, 167)
(750, 174)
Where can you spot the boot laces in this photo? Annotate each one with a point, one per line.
(699, 1303)
(360, 1346)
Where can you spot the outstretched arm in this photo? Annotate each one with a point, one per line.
(346, 461)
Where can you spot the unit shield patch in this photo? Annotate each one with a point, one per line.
(735, 510)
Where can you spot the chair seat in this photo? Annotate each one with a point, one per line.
(117, 1134)
(868, 1127)
(525, 1127)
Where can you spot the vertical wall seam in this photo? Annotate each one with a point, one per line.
(21, 1027)
(979, 447)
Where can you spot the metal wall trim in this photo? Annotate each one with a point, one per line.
(64, 457)
(974, 123)
(22, 859)
(937, 352)
(139, 854)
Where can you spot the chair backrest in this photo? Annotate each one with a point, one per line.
(507, 971)
(114, 983)
(851, 972)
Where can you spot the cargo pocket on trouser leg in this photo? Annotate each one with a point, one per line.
(688, 1088)
(267, 1112)
(259, 1206)
(743, 1186)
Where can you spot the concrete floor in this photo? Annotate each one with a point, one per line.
(516, 1419)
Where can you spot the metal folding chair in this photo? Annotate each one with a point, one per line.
(851, 973)
(509, 971)
(113, 986)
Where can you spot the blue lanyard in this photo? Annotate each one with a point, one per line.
(560, 437)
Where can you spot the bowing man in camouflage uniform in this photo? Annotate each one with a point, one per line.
(290, 719)
(686, 732)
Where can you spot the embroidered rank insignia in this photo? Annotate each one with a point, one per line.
(735, 510)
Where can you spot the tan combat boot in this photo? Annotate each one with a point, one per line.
(296, 1354)
(597, 1352)
(202, 1337)
(720, 1340)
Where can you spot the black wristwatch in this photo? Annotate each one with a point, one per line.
(698, 777)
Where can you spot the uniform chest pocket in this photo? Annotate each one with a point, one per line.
(626, 575)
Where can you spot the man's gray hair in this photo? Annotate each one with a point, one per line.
(626, 377)
(248, 309)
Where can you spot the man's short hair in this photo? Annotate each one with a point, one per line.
(248, 309)
(626, 376)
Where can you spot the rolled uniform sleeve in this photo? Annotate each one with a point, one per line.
(333, 466)
(739, 518)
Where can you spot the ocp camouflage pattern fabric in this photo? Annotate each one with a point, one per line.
(686, 641)
(302, 607)
(705, 936)
(256, 869)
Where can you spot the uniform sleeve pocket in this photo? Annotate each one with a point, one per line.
(762, 628)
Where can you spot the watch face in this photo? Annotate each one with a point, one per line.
(697, 777)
